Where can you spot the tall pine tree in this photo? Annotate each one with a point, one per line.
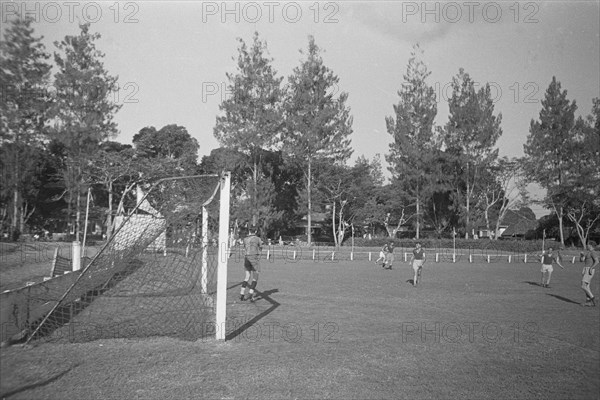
(24, 102)
(412, 151)
(547, 147)
(318, 124)
(580, 192)
(470, 135)
(83, 110)
(251, 116)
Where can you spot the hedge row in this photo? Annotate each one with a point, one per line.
(521, 246)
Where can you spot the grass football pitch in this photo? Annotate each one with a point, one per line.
(350, 329)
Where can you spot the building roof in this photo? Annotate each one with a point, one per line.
(518, 224)
(317, 220)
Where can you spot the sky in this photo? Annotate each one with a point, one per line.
(171, 58)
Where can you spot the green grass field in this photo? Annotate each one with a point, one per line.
(350, 329)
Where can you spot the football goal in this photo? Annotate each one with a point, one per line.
(163, 272)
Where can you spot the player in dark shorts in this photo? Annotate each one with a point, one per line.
(547, 259)
(388, 251)
(252, 247)
(417, 260)
(591, 262)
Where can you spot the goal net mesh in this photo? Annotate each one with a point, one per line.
(155, 276)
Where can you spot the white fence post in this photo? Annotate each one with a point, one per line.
(76, 261)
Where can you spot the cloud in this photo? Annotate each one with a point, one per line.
(399, 21)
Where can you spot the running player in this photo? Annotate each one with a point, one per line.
(388, 251)
(417, 260)
(547, 259)
(381, 255)
(591, 261)
(253, 247)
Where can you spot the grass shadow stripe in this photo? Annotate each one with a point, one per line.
(37, 384)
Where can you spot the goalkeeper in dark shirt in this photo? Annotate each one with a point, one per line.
(253, 248)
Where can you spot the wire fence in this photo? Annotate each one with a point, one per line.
(327, 254)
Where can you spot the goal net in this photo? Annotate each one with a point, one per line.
(157, 275)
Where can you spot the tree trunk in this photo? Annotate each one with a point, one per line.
(341, 226)
(501, 215)
(418, 232)
(559, 214)
(580, 231)
(110, 210)
(583, 232)
(498, 222)
(487, 222)
(308, 193)
(16, 194)
(69, 210)
(467, 219)
(254, 194)
(15, 218)
(78, 216)
(418, 218)
(467, 206)
(335, 238)
(25, 215)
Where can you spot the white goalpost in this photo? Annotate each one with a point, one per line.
(221, 312)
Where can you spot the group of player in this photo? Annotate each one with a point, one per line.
(386, 256)
(547, 258)
(253, 249)
(590, 258)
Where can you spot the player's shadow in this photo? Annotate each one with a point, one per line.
(563, 298)
(411, 281)
(262, 296)
(533, 283)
